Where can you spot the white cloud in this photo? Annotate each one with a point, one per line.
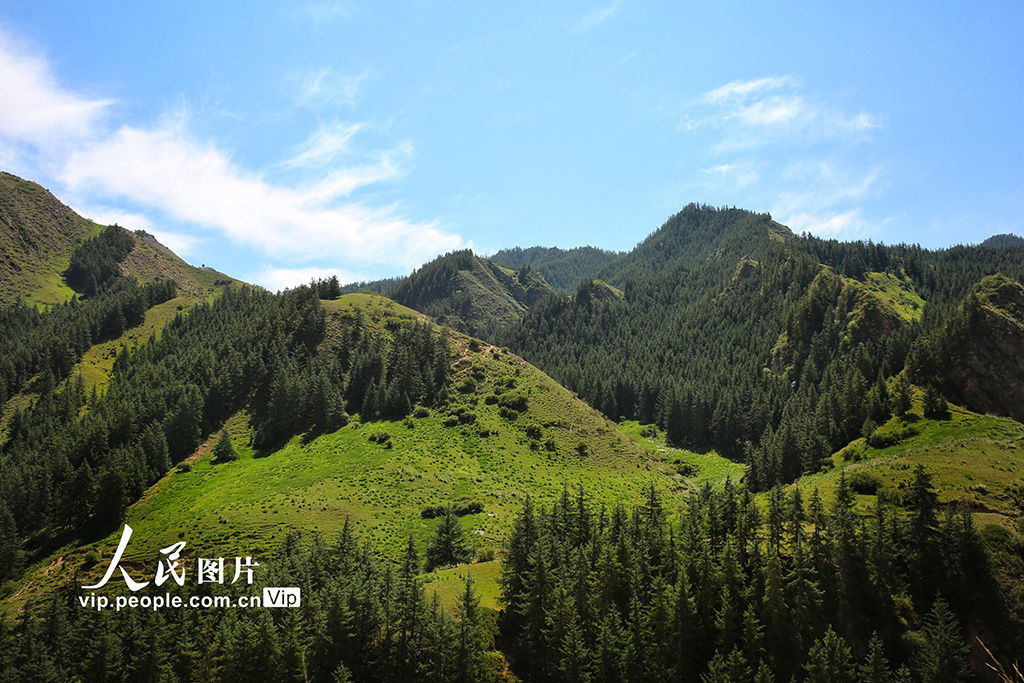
(325, 144)
(191, 181)
(736, 174)
(34, 109)
(774, 110)
(826, 201)
(739, 90)
(324, 88)
(596, 17)
(276, 279)
(163, 171)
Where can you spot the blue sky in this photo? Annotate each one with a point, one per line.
(279, 142)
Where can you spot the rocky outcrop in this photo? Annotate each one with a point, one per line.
(984, 348)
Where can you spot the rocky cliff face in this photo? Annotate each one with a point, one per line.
(985, 344)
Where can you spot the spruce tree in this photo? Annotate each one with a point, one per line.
(448, 545)
(224, 451)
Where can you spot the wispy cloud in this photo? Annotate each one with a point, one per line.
(324, 146)
(596, 17)
(824, 198)
(773, 110)
(192, 181)
(34, 109)
(772, 143)
(741, 90)
(164, 173)
(324, 12)
(324, 87)
(276, 279)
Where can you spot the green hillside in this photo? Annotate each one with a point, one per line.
(471, 294)
(381, 474)
(37, 236)
(562, 268)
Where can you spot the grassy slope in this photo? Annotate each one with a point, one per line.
(971, 457)
(896, 293)
(709, 466)
(247, 506)
(37, 236)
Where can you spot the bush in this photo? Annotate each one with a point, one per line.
(882, 439)
(507, 413)
(490, 399)
(467, 386)
(582, 449)
(421, 412)
(474, 344)
(381, 437)
(550, 445)
(516, 402)
(450, 421)
(91, 558)
(534, 431)
(458, 509)
(686, 469)
(864, 483)
(485, 555)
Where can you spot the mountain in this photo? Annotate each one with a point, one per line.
(496, 430)
(470, 293)
(734, 334)
(976, 356)
(1004, 241)
(699, 234)
(39, 235)
(562, 268)
(799, 480)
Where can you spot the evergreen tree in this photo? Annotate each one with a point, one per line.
(448, 545)
(944, 654)
(223, 450)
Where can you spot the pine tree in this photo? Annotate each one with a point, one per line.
(875, 668)
(829, 660)
(934, 403)
(448, 545)
(224, 451)
(902, 395)
(470, 644)
(944, 653)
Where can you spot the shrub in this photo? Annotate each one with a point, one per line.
(467, 386)
(582, 449)
(534, 431)
(485, 555)
(507, 413)
(882, 439)
(516, 402)
(450, 421)
(686, 469)
(474, 344)
(864, 483)
(421, 412)
(490, 399)
(91, 558)
(478, 372)
(550, 445)
(381, 437)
